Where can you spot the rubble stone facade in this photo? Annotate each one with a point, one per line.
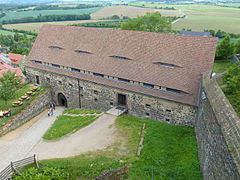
(88, 95)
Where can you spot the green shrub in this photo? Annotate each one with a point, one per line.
(43, 174)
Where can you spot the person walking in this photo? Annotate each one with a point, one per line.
(50, 104)
(53, 106)
(51, 111)
(48, 112)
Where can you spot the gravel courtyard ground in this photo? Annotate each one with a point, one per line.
(27, 140)
(96, 136)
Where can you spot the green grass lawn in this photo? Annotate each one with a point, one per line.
(192, 7)
(17, 15)
(221, 65)
(18, 109)
(229, 24)
(67, 124)
(170, 152)
(80, 111)
(3, 32)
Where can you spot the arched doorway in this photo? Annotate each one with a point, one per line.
(62, 101)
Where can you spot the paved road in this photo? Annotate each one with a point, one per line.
(26, 140)
(18, 143)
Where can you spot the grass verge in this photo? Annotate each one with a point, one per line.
(235, 102)
(66, 124)
(81, 111)
(170, 152)
(221, 65)
(15, 110)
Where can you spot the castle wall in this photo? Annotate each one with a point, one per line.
(36, 106)
(218, 134)
(89, 95)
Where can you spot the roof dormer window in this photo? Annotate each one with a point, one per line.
(166, 64)
(82, 52)
(120, 57)
(55, 47)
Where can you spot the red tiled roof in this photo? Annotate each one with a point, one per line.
(18, 71)
(192, 55)
(16, 58)
(4, 65)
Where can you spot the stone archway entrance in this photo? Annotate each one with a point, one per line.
(62, 101)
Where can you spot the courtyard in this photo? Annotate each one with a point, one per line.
(108, 142)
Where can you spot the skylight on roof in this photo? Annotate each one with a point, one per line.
(83, 52)
(55, 47)
(166, 64)
(120, 57)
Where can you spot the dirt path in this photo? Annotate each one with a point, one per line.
(27, 140)
(96, 136)
(17, 144)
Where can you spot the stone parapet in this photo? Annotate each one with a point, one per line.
(218, 133)
(36, 106)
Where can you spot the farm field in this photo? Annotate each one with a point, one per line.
(17, 15)
(35, 27)
(192, 7)
(3, 32)
(200, 17)
(201, 22)
(130, 12)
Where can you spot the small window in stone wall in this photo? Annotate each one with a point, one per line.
(147, 105)
(95, 99)
(111, 103)
(167, 119)
(95, 92)
(48, 80)
(60, 82)
(37, 80)
(147, 114)
(168, 110)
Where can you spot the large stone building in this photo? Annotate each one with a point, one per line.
(153, 75)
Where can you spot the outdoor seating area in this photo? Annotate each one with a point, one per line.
(25, 97)
(5, 113)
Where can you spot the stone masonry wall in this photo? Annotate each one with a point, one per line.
(37, 106)
(89, 95)
(218, 134)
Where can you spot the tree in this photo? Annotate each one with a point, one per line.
(151, 22)
(232, 79)
(225, 48)
(115, 17)
(237, 47)
(8, 85)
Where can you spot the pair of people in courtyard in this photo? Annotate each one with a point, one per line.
(52, 108)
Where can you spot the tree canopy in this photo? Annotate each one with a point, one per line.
(151, 22)
(232, 81)
(237, 47)
(225, 48)
(8, 85)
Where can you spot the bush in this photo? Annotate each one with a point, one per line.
(43, 174)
